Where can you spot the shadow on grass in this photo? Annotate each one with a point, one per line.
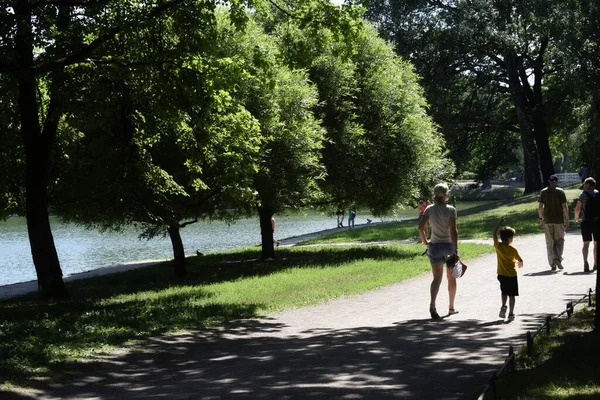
(570, 371)
(245, 361)
(113, 309)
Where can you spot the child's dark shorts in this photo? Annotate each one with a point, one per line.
(509, 285)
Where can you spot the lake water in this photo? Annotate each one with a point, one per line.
(81, 250)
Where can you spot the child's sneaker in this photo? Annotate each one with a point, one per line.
(511, 317)
(502, 313)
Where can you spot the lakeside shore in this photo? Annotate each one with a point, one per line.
(23, 288)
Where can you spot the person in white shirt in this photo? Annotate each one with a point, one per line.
(443, 243)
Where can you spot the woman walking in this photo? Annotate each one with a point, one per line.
(444, 242)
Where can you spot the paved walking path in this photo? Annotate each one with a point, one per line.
(378, 345)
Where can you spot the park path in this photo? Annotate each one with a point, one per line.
(377, 345)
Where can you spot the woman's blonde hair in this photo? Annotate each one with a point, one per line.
(440, 191)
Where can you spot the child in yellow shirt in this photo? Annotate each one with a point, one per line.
(507, 272)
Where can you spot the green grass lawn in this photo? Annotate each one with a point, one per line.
(37, 338)
(475, 222)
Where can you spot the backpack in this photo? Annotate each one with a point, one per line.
(591, 212)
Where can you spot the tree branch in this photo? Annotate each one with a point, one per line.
(289, 14)
(71, 3)
(184, 224)
(441, 5)
(84, 53)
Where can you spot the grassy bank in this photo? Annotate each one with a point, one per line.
(473, 222)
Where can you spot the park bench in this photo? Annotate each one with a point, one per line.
(568, 178)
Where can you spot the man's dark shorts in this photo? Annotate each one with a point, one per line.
(589, 230)
(509, 285)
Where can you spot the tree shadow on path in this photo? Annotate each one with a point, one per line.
(414, 359)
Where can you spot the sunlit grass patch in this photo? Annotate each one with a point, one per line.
(473, 223)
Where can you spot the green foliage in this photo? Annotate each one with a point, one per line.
(12, 161)
(164, 141)
(403, 152)
(463, 50)
(379, 136)
(578, 81)
(281, 100)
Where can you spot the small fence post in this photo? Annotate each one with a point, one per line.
(493, 383)
(512, 359)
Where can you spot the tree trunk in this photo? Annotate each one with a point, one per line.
(531, 173)
(266, 233)
(178, 252)
(536, 105)
(531, 167)
(592, 154)
(38, 150)
(43, 250)
(540, 130)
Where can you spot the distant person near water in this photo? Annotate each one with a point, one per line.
(588, 208)
(351, 216)
(340, 217)
(553, 212)
(443, 243)
(422, 206)
(507, 257)
(277, 242)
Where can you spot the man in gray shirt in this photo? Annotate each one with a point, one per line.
(553, 212)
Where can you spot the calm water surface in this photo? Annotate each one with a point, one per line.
(81, 250)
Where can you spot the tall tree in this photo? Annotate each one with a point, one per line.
(578, 66)
(162, 136)
(381, 148)
(504, 42)
(281, 100)
(39, 40)
(165, 146)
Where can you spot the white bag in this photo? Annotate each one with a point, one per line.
(457, 270)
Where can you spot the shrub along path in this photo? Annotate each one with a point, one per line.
(378, 345)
